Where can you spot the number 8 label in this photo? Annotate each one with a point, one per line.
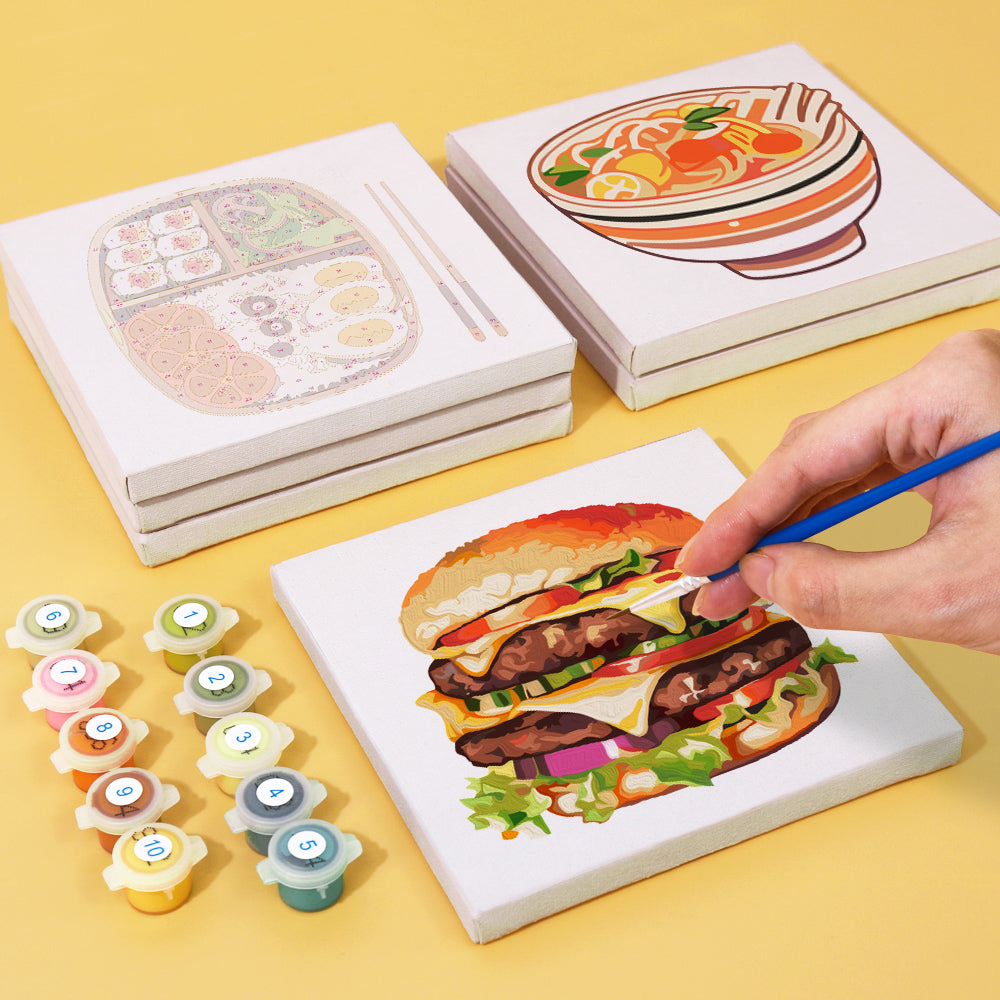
(103, 727)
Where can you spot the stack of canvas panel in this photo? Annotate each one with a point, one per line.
(717, 221)
(252, 343)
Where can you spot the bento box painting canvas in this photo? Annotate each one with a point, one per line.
(767, 180)
(251, 296)
(544, 742)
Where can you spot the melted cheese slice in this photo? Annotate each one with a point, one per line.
(475, 658)
(622, 701)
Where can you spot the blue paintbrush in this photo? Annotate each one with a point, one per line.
(842, 511)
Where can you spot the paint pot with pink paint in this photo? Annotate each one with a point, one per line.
(68, 682)
(95, 741)
(50, 624)
(122, 799)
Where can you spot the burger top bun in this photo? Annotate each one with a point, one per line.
(533, 555)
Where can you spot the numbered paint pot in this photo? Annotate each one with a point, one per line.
(153, 863)
(96, 741)
(240, 744)
(270, 798)
(68, 682)
(307, 859)
(122, 799)
(51, 624)
(189, 628)
(220, 686)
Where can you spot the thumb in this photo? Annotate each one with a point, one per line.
(889, 591)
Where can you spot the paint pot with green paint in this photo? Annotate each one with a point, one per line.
(269, 799)
(188, 628)
(307, 859)
(218, 686)
(51, 624)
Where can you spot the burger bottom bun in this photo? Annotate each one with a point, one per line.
(746, 742)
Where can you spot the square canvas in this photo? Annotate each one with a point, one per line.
(209, 324)
(704, 213)
(500, 852)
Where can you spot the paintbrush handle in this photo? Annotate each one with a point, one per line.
(820, 521)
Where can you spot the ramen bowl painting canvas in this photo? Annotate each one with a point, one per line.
(768, 181)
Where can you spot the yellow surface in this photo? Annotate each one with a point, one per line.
(893, 895)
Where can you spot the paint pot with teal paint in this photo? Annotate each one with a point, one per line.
(307, 859)
(50, 624)
(218, 686)
(188, 628)
(269, 799)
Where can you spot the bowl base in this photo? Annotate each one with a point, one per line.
(813, 257)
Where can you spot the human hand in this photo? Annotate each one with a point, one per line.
(943, 586)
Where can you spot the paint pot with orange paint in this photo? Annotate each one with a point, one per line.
(239, 744)
(122, 799)
(188, 628)
(95, 741)
(68, 682)
(50, 624)
(153, 863)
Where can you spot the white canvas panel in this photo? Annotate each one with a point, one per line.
(342, 310)
(497, 885)
(923, 228)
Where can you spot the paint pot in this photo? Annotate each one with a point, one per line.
(95, 741)
(51, 624)
(239, 744)
(220, 686)
(307, 859)
(122, 799)
(153, 863)
(270, 798)
(189, 628)
(68, 682)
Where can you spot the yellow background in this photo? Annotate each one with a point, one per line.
(892, 895)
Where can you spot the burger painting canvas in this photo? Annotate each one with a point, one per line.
(576, 705)
(543, 743)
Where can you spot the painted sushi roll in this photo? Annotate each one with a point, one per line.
(768, 181)
(251, 296)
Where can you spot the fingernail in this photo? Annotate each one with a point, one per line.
(682, 555)
(756, 569)
(698, 602)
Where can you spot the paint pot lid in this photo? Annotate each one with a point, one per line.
(239, 744)
(272, 797)
(308, 854)
(220, 685)
(97, 740)
(189, 625)
(50, 623)
(69, 681)
(153, 857)
(123, 798)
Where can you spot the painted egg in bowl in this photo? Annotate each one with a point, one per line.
(769, 181)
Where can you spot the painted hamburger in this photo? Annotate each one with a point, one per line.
(574, 705)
